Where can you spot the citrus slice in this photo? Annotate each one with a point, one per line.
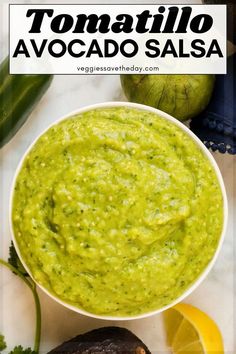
(191, 331)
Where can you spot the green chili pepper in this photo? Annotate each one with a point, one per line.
(19, 94)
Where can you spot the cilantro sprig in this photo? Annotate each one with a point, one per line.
(14, 264)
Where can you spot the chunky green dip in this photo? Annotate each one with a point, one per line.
(117, 211)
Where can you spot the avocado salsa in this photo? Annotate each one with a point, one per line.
(116, 211)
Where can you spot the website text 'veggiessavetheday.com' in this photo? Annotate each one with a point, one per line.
(116, 69)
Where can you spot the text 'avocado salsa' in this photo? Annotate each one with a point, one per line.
(117, 211)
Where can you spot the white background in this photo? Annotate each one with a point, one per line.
(215, 295)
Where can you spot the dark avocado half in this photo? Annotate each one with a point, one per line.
(106, 340)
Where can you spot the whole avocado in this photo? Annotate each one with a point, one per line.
(112, 340)
(182, 96)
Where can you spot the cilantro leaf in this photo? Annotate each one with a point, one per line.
(2, 343)
(14, 260)
(20, 350)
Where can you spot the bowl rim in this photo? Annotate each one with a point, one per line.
(211, 160)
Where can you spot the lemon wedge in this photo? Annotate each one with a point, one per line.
(191, 331)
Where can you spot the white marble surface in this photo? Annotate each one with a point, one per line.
(215, 295)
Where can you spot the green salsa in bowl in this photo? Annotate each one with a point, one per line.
(118, 211)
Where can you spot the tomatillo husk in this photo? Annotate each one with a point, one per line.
(182, 96)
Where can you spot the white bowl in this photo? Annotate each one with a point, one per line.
(206, 153)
